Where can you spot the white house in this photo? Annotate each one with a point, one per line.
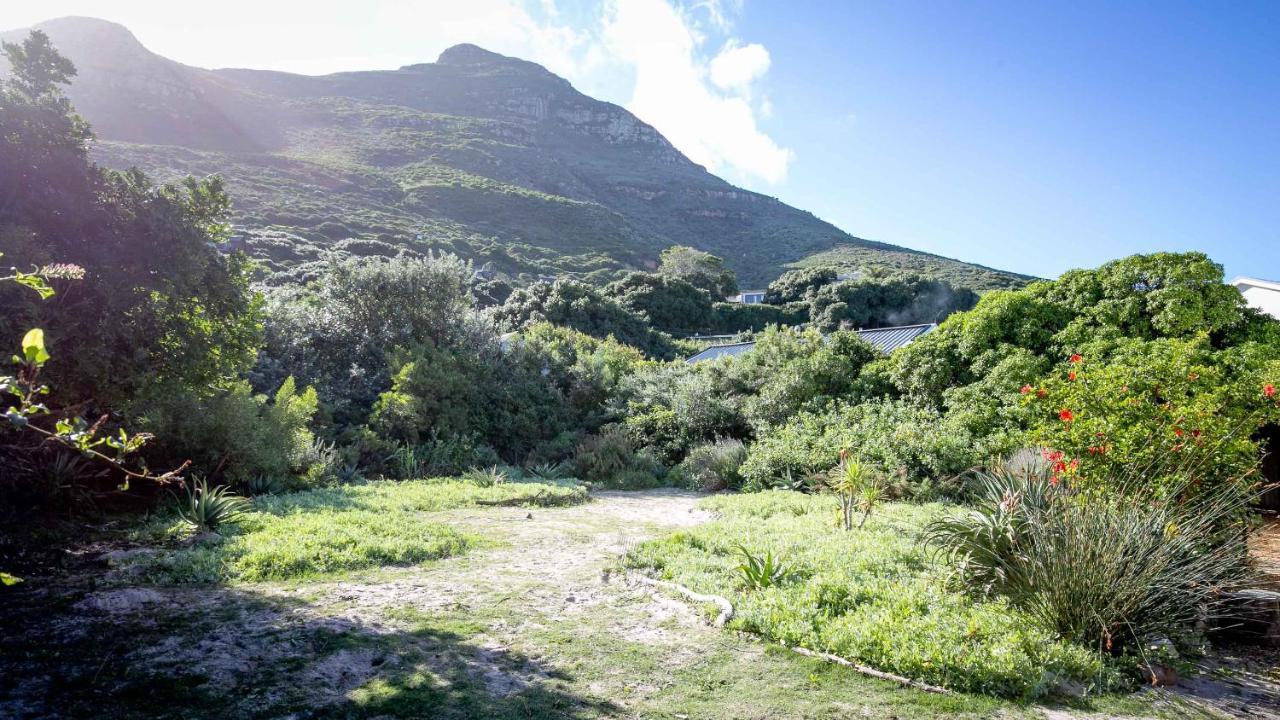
(1261, 294)
(747, 297)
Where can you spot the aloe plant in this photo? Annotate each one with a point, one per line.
(208, 508)
(760, 572)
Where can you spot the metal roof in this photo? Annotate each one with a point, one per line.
(886, 340)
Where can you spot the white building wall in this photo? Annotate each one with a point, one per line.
(1261, 294)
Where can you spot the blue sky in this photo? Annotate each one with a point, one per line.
(1035, 137)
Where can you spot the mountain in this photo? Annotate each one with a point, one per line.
(492, 157)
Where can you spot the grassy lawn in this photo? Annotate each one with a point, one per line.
(323, 532)
(873, 595)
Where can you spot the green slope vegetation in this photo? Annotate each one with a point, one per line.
(488, 156)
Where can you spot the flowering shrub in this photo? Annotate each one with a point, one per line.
(1153, 407)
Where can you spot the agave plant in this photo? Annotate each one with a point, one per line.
(485, 477)
(263, 485)
(549, 472)
(760, 572)
(207, 508)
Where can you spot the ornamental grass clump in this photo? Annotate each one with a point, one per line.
(1107, 572)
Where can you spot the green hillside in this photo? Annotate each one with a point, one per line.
(488, 156)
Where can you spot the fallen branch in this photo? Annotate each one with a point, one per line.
(726, 607)
(873, 672)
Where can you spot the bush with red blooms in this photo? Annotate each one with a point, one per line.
(1154, 406)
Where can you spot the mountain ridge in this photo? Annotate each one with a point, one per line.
(490, 156)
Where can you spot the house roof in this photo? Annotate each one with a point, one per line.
(886, 340)
(1256, 282)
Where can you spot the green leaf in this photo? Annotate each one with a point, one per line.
(6, 579)
(35, 282)
(33, 347)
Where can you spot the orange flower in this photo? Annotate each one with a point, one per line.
(1268, 390)
(1066, 415)
(1071, 376)
(1025, 389)
(1076, 358)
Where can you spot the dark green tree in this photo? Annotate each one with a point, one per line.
(698, 268)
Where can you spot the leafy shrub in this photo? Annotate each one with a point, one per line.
(232, 433)
(611, 460)
(1165, 405)
(1107, 573)
(208, 508)
(714, 466)
(914, 444)
(673, 407)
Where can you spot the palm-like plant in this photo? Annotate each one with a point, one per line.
(858, 488)
(207, 508)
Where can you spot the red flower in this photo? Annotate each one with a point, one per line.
(1177, 431)
(1066, 415)
(1076, 358)
(1071, 376)
(1268, 390)
(1041, 393)
(1025, 389)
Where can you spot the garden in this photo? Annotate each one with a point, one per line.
(401, 487)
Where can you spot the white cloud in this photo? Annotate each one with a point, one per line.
(738, 66)
(652, 56)
(714, 123)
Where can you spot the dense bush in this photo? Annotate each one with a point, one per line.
(714, 466)
(914, 448)
(1158, 404)
(669, 304)
(232, 433)
(610, 459)
(586, 309)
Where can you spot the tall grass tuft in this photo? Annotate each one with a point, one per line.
(1108, 572)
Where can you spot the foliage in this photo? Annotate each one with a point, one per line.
(699, 269)
(874, 595)
(915, 446)
(1109, 573)
(584, 308)
(550, 472)
(1163, 405)
(609, 458)
(714, 466)
(857, 486)
(209, 508)
(789, 372)
(797, 285)
(884, 260)
(485, 477)
(232, 433)
(670, 304)
(885, 302)
(336, 335)
(672, 407)
(759, 572)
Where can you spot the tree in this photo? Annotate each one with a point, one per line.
(669, 303)
(698, 268)
(158, 302)
(584, 308)
(796, 285)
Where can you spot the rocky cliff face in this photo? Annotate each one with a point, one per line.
(492, 157)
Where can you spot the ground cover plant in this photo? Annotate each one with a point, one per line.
(874, 595)
(321, 532)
